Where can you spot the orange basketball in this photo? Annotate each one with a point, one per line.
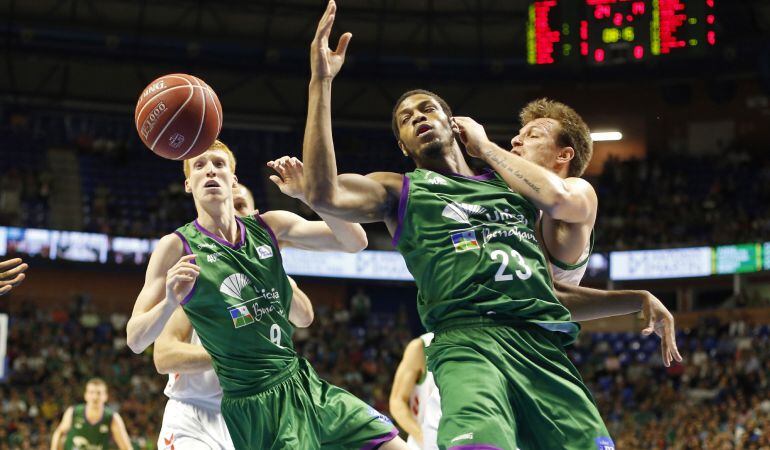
(178, 116)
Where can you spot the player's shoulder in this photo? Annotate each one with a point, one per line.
(390, 180)
(172, 242)
(580, 183)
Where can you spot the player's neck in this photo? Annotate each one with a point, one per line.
(450, 162)
(220, 220)
(94, 412)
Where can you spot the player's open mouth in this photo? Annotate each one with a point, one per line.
(211, 184)
(422, 129)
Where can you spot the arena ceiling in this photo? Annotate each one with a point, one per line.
(255, 52)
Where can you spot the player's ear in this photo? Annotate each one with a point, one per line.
(565, 154)
(453, 125)
(187, 187)
(235, 181)
(402, 147)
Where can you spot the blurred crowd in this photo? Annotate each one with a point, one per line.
(719, 398)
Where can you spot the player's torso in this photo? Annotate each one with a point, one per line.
(199, 389)
(240, 306)
(470, 244)
(84, 435)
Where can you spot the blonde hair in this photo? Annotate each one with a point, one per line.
(217, 145)
(96, 382)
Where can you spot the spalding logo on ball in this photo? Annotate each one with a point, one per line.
(178, 116)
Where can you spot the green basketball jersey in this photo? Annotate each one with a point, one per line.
(84, 435)
(470, 244)
(240, 306)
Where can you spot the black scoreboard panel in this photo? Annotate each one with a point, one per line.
(617, 31)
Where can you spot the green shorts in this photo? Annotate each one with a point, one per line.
(503, 387)
(304, 412)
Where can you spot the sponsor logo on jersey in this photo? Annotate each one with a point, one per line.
(81, 443)
(169, 442)
(249, 310)
(462, 437)
(488, 235)
(214, 257)
(103, 428)
(604, 443)
(241, 316)
(465, 240)
(379, 416)
(207, 245)
(436, 179)
(462, 212)
(264, 251)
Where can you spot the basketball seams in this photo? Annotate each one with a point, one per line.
(214, 103)
(171, 120)
(200, 124)
(137, 115)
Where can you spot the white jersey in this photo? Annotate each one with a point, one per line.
(571, 273)
(422, 392)
(198, 389)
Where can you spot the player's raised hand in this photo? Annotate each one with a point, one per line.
(325, 63)
(661, 322)
(180, 279)
(472, 135)
(11, 274)
(291, 176)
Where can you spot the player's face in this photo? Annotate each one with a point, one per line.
(536, 142)
(424, 129)
(211, 177)
(242, 201)
(96, 394)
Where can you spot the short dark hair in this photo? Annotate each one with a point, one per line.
(405, 95)
(573, 131)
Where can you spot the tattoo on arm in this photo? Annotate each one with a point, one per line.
(513, 171)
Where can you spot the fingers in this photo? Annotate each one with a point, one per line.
(342, 45)
(326, 23)
(10, 263)
(5, 289)
(186, 258)
(16, 270)
(8, 285)
(277, 180)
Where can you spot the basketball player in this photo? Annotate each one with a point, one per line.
(487, 296)
(192, 419)
(89, 426)
(12, 274)
(227, 274)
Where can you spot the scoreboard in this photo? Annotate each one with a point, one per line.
(599, 32)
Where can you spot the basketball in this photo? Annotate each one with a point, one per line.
(178, 116)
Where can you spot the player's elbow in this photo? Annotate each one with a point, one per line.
(356, 242)
(305, 319)
(133, 340)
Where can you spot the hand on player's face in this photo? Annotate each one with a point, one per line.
(325, 63)
(291, 176)
(11, 274)
(180, 279)
(472, 135)
(661, 322)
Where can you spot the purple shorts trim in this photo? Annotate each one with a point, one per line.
(401, 209)
(475, 447)
(374, 443)
(187, 251)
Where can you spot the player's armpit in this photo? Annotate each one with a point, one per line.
(360, 198)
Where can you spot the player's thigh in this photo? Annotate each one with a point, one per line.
(431, 421)
(216, 429)
(345, 421)
(475, 403)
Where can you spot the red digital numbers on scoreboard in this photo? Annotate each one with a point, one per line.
(617, 31)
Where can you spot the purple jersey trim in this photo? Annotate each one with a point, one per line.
(475, 447)
(222, 241)
(187, 251)
(269, 230)
(375, 443)
(401, 209)
(486, 175)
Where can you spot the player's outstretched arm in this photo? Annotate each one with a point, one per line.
(173, 352)
(301, 314)
(350, 197)
(571, 200)
(57, 440)
(119, 433)
(409, 371)
(589, 304)
(170, 277)
(330, 234)
(11, 274)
